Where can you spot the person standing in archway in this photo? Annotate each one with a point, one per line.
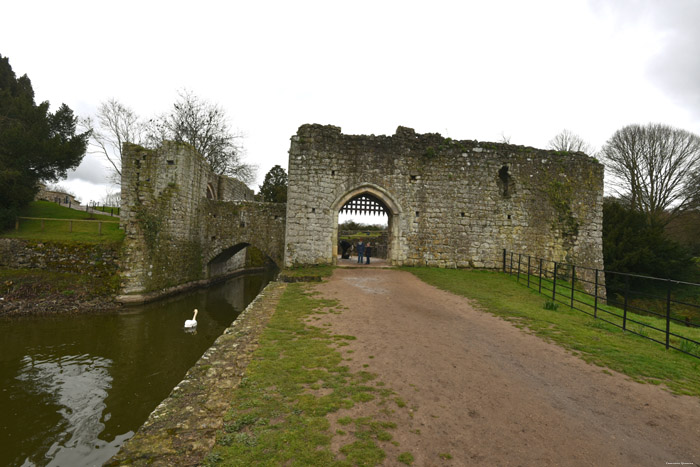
(345, 247)
(360, 247)
(368, 251)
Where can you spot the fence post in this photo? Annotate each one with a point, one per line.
(510, 270)
(528, 271)
(70, 223)
(668, 314)
(539, 289)
(595, 302)
(17, 223)
(554, 286)
(42, 225)
(573, 282)
(624, 313)
(520, 255)
(504, 260)
(99, 227)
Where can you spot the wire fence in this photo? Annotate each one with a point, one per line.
(660, 310)
(106, 210)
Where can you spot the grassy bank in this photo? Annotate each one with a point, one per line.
(76, 277)
(306, 274)
(297, 378)
(37, 283)
(58, 229)
(595, 341)
(39, 292)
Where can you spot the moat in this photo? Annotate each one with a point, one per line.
(74, 388)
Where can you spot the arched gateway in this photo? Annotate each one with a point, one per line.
(450, 203)
(363, 199)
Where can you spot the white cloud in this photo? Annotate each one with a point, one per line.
(472, 70)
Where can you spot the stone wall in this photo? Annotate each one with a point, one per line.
(175, 214)
(250, 223)
(97, 260)
(451, 203)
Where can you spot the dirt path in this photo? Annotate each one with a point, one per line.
(488, 393)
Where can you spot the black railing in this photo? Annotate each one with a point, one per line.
(661, 310)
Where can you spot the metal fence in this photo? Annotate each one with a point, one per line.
(104, 209)
(661, 310)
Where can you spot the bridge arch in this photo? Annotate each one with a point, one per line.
(218, 262)
(393, 211)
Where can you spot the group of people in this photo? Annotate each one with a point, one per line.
(364, 251)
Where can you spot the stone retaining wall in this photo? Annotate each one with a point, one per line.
(97, 260)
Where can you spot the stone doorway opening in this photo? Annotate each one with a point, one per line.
(366, 213)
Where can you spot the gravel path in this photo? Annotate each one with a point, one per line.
(488, 393)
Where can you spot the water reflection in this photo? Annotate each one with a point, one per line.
(78, 384)
(73, 389)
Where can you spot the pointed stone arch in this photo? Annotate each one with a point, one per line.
(211, 193)
(393, 211)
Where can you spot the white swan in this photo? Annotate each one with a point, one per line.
(192, 323)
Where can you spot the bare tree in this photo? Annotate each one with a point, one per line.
(116, 124)
(655, 168)
(569, 141)
(205, 127)
(112, 199)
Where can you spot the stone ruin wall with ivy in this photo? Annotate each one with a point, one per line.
(178, 215)
(459, 203)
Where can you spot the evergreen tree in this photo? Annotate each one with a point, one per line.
(35, 145)
(633, 245)
(274, 188)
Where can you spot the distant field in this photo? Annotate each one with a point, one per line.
(60, 229)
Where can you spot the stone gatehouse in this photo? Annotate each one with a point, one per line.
(449, 203)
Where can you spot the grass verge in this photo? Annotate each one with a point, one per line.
(307, 274)
(60, 229)
(23, 283)
(593, 340)
(297, 378)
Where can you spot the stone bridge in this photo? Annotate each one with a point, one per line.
(449, 204)
(185, 225)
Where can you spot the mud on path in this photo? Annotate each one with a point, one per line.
(488, 393)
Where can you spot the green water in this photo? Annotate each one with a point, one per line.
(74, 388)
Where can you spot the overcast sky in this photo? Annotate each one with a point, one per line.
(468, 70)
